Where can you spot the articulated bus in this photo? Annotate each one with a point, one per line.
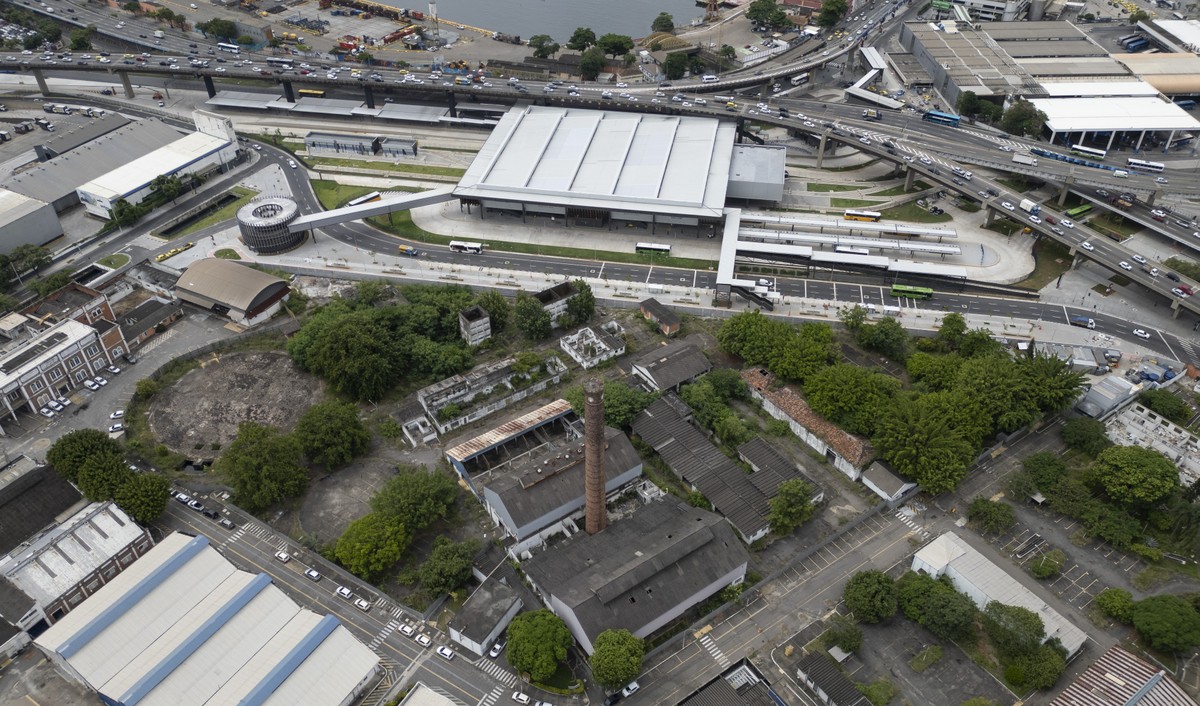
(365, 198)
(1144, 166)
(1085, 151)
(904, 290)
(1078, 211)
(311, 92)
(653, 249)
(231, 48)
(463, 246)
(852, 215)
(934, 116)
(279, 61)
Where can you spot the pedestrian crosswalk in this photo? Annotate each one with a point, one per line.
(1190, 347)
(495, 671)
(156, 341)
(715, 651)
(911, 524)
(491, 697)
(384, 633)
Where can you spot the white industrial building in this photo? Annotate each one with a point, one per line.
(183, 625)
(1070, 120)
(983, 582)
(213, 146)
(26, 221)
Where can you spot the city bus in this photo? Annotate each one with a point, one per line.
(1085, 151)
(904, 290)
(311, 92)
(1143, 166)
(800, 79)
(934, 116)
(653, 249)
(365, 198)
(1183, 140)
(852, 215)
(231, 48)
(850, 250)
(464, 246)
(281, 61)
(1078, 211)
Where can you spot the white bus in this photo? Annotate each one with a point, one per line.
(464, 246)
(1084, 151)
(365, 198)
(653, 249)
(231, 48)
(850, 250)
(1143, 166)
(800, 79)
(853, 215)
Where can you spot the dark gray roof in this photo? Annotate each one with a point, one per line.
(823, 672)
(884, 479)
(722, 693)
(689, 454)
(146, 315)
(554, 479)
(14, 604)
(485, 608)
(66, 141)
(772, 467)
(661, 313)
(30, 502)
(640, 567)
(674, 363)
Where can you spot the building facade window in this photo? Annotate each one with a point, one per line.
(75, 361)
(116, 352)
(93, 350)
(54, 374)
(80, 375)
(36, 386)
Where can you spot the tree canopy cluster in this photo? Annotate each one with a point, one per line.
(711, 398)
(791, 353)
(538, 642)
(1168, 623)
(95, 463)
(768, 12)
(617, 658)
(363, 351)
(621, 402)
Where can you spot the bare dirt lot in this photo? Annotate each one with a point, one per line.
(206, 406)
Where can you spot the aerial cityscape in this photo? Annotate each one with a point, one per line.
(711, 353)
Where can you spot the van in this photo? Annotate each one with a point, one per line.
(708, 78)
(1120, 174)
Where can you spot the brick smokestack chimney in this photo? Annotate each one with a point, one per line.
(596, 517)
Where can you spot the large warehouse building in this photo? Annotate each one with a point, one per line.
(598, 168)
(183, 625)
(26, 221)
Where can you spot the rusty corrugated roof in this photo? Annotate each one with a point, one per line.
(509, 429)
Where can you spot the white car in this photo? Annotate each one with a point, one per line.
(283, 556)
(809, 124)
(1087, 246)
(496, 650)
(313, 574)
(630, 689)
(292, 163)
(520, 698)
(445, 653)
(46, 412)
(1125, 265)
(117, 414)
(1160, 180)
(100, 381)
(1139, 259)
(407, 630)
(64, 401)
(1066, 223)
(1005, 148)
(423, 640)
(55, 405)
(91, 385)
(622, 85)
(926, 161)
(1034, 219)
(363, 604)
(1007, 206)
(114, 428)
(864, 140)
(343, 592)
(257, 148)
(1141, 333)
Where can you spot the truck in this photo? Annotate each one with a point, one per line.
(1025, 159)
(409, 250)
(872, 114)
(159, 34)
(509, 38)
(1030, 207)
(1121, 203)
(1083, 321)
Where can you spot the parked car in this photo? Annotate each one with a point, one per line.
(423, 640)
(313, 574)
(343, 592)
(114, 428)
(445, 653)
(117, 414)
(283, 556)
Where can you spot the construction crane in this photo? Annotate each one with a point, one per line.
(712, 11)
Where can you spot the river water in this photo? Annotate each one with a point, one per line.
(559, 18)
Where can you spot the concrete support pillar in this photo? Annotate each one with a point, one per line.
(369, 95)
(208, 86)
(1111, 136)
(1170, 139)
(451, 102)
(723, 297)
(125, 83)
(821, 149)
(289, 94)
(989, 215)
(910, 179)
(1175, 309)
(41, 82)
(1062, 191)
(1141, 136)
(1153, 196)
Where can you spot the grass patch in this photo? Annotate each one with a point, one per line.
(895, 191)
(879, 692)
(850, 203)
(220, 215)
(1187, 267)
(1151, 577)
(1119, 280)
(851, 168)
(227, 254)
(1019, 184)
(1102, 291)
(915, 214)
(1115, 223)
(926, 658)
(1003, 226)
(1051, 260)
(969, 206)
(117, 259)
(819, 187)
(332, 194)
(386, 166)
(449, 149)
(562, 680)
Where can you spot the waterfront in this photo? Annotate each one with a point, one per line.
(559, 18)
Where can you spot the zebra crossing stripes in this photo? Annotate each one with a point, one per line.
(912, 525)
(1190, 347)
(384, 633)
(497, 672)
(491, 697)
(715, 651)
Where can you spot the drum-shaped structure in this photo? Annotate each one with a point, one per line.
(264, 224)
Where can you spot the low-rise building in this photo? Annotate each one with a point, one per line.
(461, 399)
(85, 305)
(821, 675)
(884, 483)
(554, 300)
(484, 616)
(1138, 425)
(26, 221)
(1121, 678)
(43, 364)
(667, 320)
(590, 347)
(474, 325)
(1107, 395)
(145, 320)
(740, 685)
(246, 295)
(671, 366)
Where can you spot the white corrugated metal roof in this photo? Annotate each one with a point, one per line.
(1116, 113)
(1093, 89)
(135, 175)
(258, 666)
(332, 670)
(14, 206)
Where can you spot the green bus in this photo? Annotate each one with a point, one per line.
(1078, 211)
(904, 290)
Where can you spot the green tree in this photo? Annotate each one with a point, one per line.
(372, 544)
(1138, 16)
(852, 397)
(727, 52)
(617, 658)
(1135, 475)
(832, 12)
(448, 565)
(934, 372)
(52, 283)
(1052, 384)
(871, 596)
(621, 402)
(1167, 404)
(417, 496)
(991, 516)
(532, 319)
(132, 6)
(1045, 468)
(145, 388)
(591, 63)
(791, 507)
(78, 449)
(919, 443)
(615, 45)
(100, 477)
(1048, 565)
(263, 466)
(167, 186)
(792, 354)
(948, 614)
(1013, 630)
(81, 39)
(1040, 669)
(844, 633)
(663, 23)
(581, 39)
(221, 29)
(968, 104)
(1168, 623)
(581, 306)
(543, 46)
(29, 258)
(498, 309)
(1022, 118)
(853, 318)
(952, 330)
(675, 65)
(1116, 603)
(144, 496)
(998, 386)
(887, 338)
(331, 434)
(1087, 435)
(537, 642)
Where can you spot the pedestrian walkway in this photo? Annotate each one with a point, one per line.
(495, 671)
(711, 647)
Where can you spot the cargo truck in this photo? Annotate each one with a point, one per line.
(1121, 203)
(872, 114)
(1030, 207)
(1025, 159)
(1083, 322)
(159, 34)
(409, 250)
